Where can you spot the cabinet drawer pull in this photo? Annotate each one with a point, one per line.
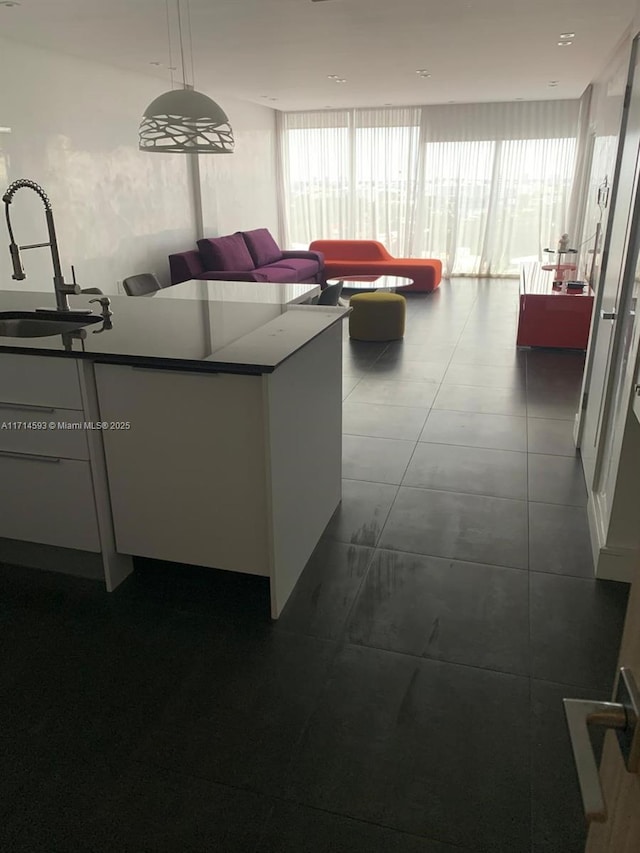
(26, 407)
(33, 457)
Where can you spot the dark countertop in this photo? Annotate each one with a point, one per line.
(229, 327)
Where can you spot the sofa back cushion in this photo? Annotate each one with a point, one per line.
(262, 247)
(226, 253)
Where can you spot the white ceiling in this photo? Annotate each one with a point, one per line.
(259, 50)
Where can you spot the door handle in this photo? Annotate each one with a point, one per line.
(622, 715)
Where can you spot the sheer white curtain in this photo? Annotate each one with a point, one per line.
(316, 175)
(453, 210)
(385, 146)
(348, 173)
(533, 180)
(479, 186)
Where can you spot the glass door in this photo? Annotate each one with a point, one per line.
(604, 347)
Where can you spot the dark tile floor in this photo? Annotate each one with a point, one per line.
(408, 700)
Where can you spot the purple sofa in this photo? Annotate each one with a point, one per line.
(247, 256)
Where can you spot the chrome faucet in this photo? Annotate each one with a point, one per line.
(61, 288)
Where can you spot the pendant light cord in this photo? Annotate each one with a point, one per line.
(184, 78)
(193, 73)
(169, 40)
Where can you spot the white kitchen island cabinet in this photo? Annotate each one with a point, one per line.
(233, 472)
(200, 427)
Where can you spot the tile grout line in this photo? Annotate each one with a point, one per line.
(472, 562)
(529, 636)
(416, 444)
(376, 545)
(338, 644)
(445, 558)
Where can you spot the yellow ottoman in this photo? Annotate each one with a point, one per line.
(377, 316)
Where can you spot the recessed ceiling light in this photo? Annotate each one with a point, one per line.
(564, 43)
(273, 99)
(567, 35)
(155, 63)
(422, 72)
(332, 76)
(9, 3)
(553, 82)
(519, 99)
(340, 80)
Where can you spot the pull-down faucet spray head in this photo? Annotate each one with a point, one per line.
(18, 272)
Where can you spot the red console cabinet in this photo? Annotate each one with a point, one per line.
(550, 316)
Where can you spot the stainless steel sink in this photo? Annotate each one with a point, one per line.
(33, 324)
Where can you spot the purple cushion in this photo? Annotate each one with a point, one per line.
(275, 272)
(263, 248)
(302, 267)
(226, 253)
(228, 275)
(184, 266)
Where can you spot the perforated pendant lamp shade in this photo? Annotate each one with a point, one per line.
(184, 121)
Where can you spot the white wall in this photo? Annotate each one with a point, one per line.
(74, 127)
(118, 211)
(239, 190)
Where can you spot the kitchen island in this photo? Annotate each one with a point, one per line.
(201, 425)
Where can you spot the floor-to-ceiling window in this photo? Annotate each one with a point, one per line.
(480, 186)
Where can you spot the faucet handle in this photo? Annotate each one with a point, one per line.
(74, 287)
(105, 302)
(107, 314)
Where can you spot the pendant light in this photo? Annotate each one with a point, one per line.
(184, 121)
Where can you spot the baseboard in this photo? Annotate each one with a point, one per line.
(610, 563)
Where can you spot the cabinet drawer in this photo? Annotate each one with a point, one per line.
(48, 500)
(40, 381)
(57, 441)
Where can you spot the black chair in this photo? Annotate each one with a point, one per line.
(140, 285)
(330, 295)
